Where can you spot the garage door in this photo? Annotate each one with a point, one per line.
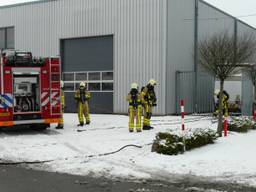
(90, 60)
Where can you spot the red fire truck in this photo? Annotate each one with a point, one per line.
(29, 90)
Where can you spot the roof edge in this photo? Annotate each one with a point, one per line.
(25, 3)
(227, 14)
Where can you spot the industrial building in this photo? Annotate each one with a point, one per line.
(112, 43)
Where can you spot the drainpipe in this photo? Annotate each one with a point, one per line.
(2, 73)
(196, 57)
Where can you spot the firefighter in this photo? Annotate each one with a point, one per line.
(82, 97)
(148, 99)
(62, 101)
(134, 99)
(225, 99)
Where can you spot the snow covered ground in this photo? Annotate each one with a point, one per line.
(229, 159)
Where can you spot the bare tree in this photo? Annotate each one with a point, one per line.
(222, 55)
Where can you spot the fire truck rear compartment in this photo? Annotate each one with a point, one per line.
(26, 96)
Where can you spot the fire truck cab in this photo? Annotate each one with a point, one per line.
(29, 90)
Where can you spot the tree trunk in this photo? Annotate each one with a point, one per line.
(220, 119)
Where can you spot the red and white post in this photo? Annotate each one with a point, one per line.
(182, 110)
(254, 115)
(225, 127)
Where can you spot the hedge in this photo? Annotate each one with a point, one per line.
(173, 143)
(241, 124)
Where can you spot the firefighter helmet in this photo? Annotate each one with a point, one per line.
(216, 91)
(61, 84)
(134, 86)
(152, 82)
(82, 84)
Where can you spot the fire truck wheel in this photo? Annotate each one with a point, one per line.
(41, 127)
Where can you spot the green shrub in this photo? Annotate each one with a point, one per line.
(241, 124)
(171, 143)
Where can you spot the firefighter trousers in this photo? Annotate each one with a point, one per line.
(61, 119)
(147, 114)
(83, 111)
(225, 109)
(134, 114)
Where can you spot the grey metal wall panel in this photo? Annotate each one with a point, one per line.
(247, 95)
(185, 91)
(205, 93)
(138, 26)
(87, 54)
(212, 20)
(185, 87)
(244, 29)
(97, 104)
(180, 45)
(247, 86)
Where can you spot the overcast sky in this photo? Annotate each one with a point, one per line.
(243, 9)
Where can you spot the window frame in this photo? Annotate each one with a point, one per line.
(87, 81)
(6, 37)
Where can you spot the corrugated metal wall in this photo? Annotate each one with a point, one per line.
(180, 51)
(247, 94)
(180, 45)
(244, 29)
(138, 26)
(247, 86)
(185, 91)
(212, 20)
(152, 38)
(205, 93)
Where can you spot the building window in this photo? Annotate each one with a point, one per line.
(81, 76)
(7, 38)
(94, 76)
(101, 81)
(2, 38)
(107, 86)
(69, 87)
(10, 38)
(68, 77)
(107, 76)
(94, 86)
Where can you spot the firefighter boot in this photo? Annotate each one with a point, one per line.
(59, 126)
(138, 129)
(81, 124)
(146, 127)
(146, 123)
(131, 119)
(131, 127)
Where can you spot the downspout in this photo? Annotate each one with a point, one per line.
(2, 73)
(166, 60)
(235, 38)
(196, 56)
